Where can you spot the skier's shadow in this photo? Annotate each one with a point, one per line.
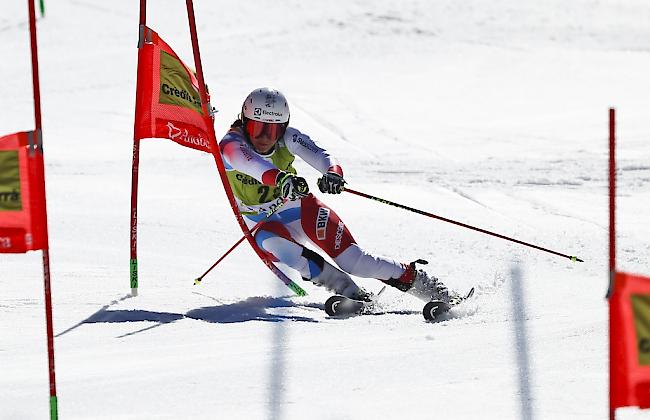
(251, 309)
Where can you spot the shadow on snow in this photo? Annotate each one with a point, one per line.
(251, 309)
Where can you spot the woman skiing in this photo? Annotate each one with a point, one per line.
(258, 153)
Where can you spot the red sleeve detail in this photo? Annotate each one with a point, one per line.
(335, 169)
(268, 177)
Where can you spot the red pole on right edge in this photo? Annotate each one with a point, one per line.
(46, 249)
(612, 190)
(612, 248)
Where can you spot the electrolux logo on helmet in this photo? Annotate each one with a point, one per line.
(272, 113)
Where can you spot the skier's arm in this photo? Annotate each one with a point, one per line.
(301, 145)
(239, 156)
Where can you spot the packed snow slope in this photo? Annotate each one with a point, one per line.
(490, 113)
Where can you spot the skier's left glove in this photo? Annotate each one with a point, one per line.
(331, 183)
(291, 186)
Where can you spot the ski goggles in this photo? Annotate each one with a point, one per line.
(256, 129)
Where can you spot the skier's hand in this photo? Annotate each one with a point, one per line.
(331, 183)
(292, 187)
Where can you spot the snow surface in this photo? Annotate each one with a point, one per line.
(489, 113)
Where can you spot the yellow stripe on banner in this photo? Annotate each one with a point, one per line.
(641, 309)
(176, 86)
(10, 198)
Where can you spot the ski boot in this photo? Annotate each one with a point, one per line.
(348, 299)
(421, 285)
(429, 289)
(340, 283)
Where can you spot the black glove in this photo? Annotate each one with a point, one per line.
(331, 183)
(292, 187)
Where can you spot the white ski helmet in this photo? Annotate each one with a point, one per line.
(266, 105)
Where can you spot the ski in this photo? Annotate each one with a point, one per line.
(340, 306)
(435, 308)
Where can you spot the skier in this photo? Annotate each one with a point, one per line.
(258, 153)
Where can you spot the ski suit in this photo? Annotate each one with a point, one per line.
(283, 236)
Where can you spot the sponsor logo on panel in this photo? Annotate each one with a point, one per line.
(339, 235)
(182, 134)
(10, 197)
(176, 86)
(322, 218)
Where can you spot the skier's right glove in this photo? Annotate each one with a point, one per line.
(292, 187)
(331, 183)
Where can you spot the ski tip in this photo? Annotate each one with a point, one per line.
(197, 281)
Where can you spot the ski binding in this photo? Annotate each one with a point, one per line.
(339, 306)
(435, 308)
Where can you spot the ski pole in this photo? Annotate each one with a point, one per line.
(424, 213)
(257, 225)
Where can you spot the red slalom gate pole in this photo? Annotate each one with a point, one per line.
(135, 166)
(487, 232)
(54, 414)
(612, 253)
(220, 166)
(612, 192)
